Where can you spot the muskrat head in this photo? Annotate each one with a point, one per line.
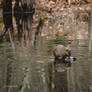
(67, 58)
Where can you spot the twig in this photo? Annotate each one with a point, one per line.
(1, 37)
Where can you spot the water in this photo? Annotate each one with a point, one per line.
(80, 74)
(25, 69)
(32, 69)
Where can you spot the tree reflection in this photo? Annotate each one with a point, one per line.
(90, 32)
(23, 15)
(7, 18)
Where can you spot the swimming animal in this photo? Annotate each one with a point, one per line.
(62, 55)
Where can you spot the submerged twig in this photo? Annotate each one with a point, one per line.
(1, 37)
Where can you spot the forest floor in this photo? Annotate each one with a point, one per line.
(63, 19)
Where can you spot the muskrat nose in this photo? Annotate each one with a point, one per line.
(74, 59)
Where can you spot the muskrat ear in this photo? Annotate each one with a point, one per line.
(67, 52)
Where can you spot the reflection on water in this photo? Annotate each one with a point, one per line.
(24, 70)
(80, 74)
(22, 12)
(32, 70)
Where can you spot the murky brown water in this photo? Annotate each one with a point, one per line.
(26, 69)
(32, 69)
(80, 74)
